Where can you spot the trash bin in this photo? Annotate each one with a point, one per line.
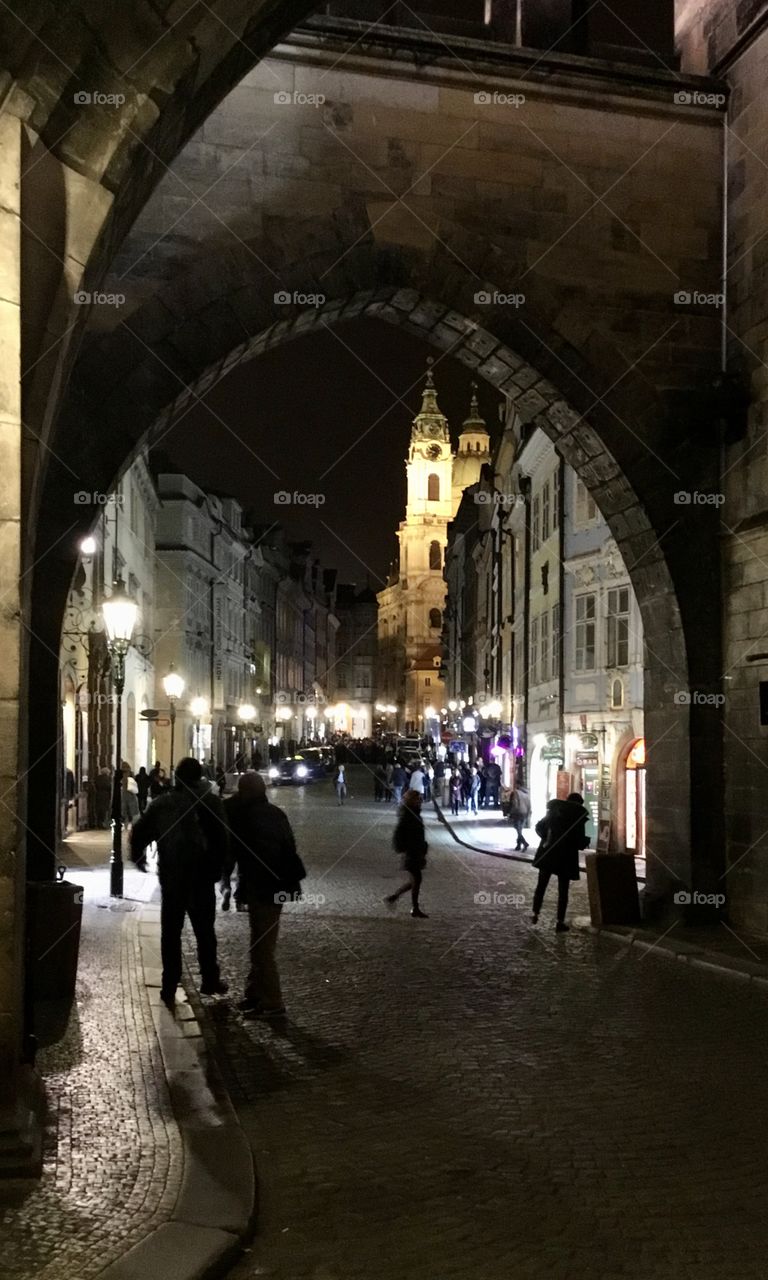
(54, 915)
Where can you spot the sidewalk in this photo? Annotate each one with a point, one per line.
(146, 1170)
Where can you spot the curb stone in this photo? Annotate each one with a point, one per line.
(745, 971)
(214, 1211)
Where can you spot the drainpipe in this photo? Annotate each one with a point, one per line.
(525, 489)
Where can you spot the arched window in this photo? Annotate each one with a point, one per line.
(435, 556)
(617, 694)
(433, 488)
(435, 619)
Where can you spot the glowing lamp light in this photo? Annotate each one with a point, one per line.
(468, 724)
(452, 705)
(274, 772)
(88, 547)
(199, 707)
(283, 713)
(173, 684)
(311, 713)
(301, 771)
(246, 712)
(120, 614)
(430, 713)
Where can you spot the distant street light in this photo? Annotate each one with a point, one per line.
(173, 684)
(120, 614)
(88, 547)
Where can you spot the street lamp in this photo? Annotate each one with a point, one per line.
(88, 547)
(199, 708)
(120, 614)
(173, 685)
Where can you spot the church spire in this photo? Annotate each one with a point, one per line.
(430, 423)
(475, 421)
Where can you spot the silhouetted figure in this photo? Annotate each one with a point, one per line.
(410, 841)
(192, 843)
(270, 872)
(563, 836)
(520, 815)
(142, 784)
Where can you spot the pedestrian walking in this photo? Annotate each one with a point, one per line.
(142, 784)
(130, 796)
(481, 789)
(474, 791)
(388, 783)
(399, 779)
(457, 792)
(340, 783)
(563, 836)
(192, 843)
(270, 872)
(418, 779)
(520, 815)
(492, 784)
(410, 841)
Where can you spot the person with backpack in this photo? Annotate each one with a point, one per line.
(190, 831)
(563, 836)
(410, 841)
(270, 873)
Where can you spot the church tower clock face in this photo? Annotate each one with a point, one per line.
(434, 451)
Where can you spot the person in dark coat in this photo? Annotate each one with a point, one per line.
(142, 784)
(410, 841)
(270, 872)
(563, 836)
(520, 815)
(190, 831)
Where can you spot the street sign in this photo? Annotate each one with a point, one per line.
(149, 715)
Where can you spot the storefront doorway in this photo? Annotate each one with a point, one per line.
(634, 799)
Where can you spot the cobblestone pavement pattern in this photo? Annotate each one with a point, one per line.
(464, 1096)
(112, 1152)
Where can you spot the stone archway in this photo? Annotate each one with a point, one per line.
(102, 433)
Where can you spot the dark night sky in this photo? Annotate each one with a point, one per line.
(311, 405)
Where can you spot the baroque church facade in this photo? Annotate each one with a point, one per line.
(410, 617)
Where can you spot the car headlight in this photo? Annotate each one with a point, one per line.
(301, 771)
(274, 772)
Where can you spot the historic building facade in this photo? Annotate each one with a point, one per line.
(353, 678)
(412, 603)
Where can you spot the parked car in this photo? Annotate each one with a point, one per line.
(309, 765)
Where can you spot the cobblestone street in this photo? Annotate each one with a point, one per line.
(466, 1096)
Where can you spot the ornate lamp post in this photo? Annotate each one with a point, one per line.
(173, 684)
(120, 614)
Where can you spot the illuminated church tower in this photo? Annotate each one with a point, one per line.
(411, 605)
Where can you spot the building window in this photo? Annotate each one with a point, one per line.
(534, 651)
(617, 695)
(618, 627)
(544, 647)
(535, 523)
(435, 619)
(427, 680)
(555, 642)
(586, 511)
(545, 512)
(433, 487)
(556, 499)
(435, 556)
(585, 633)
